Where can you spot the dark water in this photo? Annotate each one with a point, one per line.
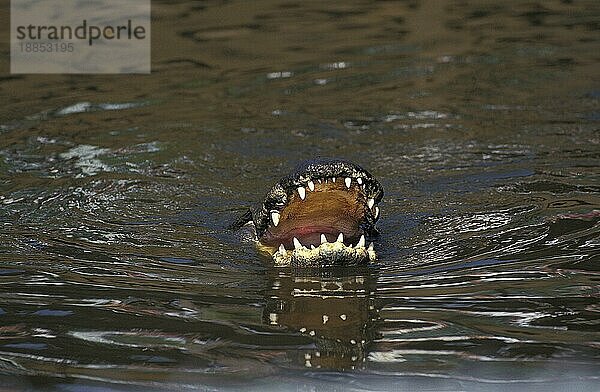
(479, 118)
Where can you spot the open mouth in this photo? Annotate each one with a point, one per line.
(323, 214)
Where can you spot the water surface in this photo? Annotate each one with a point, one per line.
(479, 118)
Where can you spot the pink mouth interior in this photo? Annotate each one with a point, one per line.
(330, 209)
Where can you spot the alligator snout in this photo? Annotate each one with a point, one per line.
(322, 214)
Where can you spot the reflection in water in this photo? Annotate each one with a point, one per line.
(335, 308)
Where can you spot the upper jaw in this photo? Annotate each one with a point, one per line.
(312, 171)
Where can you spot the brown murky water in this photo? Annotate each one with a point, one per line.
(480, 119)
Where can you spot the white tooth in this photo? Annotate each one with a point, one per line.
(311, 185)
(320, 182)
(340, 237)
(302, 192)
(359, 180)
(333, 179)
(371, 246)
(376, 212)
(312, 247)
(323, 238)
(371, 203)
(361, 242)
(282, 250)
(275, 217)
(297, 244)
(348, 181)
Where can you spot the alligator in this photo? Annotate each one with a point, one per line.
(322, 214)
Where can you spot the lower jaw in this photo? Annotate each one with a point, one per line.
(327, 254)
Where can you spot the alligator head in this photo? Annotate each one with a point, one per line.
(322, 214)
